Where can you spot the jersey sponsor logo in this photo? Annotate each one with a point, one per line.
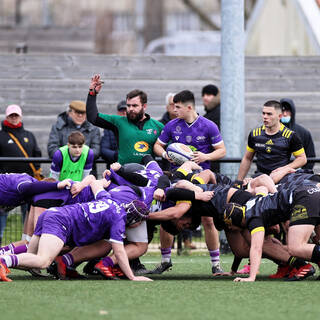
(269, 142)
(149, 131)
(299, 212)
(141, 146)
(189, 139)
(259, 145)
(178, 130)
(200, 138)
(313, 190)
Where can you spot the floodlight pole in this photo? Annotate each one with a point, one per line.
(232, 81)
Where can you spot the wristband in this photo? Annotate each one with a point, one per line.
(93, 92)
(164, 153)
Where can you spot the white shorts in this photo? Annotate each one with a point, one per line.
(138, 234)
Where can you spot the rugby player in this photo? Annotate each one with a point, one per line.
(79, 224)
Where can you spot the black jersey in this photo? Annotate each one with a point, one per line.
(273, 151)
(269, 210)
(293, 180)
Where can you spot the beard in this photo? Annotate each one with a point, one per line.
(135, 117)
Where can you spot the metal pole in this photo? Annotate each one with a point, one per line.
(232, 81)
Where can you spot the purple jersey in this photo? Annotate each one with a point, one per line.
(201, 135)
(85, 223)
(10, 192)
(122, 194)
(152, 172)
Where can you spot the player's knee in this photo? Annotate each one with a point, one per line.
(207, 223)
(44, 262)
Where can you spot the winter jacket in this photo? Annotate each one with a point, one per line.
(64, 126)
(109, 146)
(304, 134)
(8, 148)
(213, 115)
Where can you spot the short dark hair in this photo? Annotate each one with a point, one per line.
(76, 137)
(273, 103)
(184, 97)
(138, 93)
(210, 89)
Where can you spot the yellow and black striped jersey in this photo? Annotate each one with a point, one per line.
(273, 151)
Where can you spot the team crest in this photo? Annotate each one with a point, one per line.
(268, 149)
(26, 140)
(188, 139)
(141, 146)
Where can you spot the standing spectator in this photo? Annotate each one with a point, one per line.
(74, 119)
(109, 141)
(170, 113)
(73, 161)
(137, 131)
(13, 139)
(211, 103)
(289, 120)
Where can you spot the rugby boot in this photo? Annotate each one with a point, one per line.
(72, 273)
(217, 270)
(160, 268)
(283, 271)
(89, 267)
(3, 272)
(245, 269)
(301, 273)
(105, 271)
(61, 271)
(118, 272)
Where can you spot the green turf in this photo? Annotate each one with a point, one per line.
(186, 292)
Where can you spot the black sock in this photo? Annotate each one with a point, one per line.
(296, 262)
(316, 254)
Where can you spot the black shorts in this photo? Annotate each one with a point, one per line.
(306, 208)
(241, 197)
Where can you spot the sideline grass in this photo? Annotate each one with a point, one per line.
(186, 292)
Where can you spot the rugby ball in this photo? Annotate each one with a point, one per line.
(179, 153)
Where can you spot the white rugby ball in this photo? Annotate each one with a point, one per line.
(179, 152)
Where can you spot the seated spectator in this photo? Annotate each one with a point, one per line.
(73, 161)
(109, 141)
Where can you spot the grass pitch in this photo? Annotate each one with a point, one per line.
(187, 292)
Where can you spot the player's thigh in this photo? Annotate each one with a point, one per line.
(299, 234)
(49, 246)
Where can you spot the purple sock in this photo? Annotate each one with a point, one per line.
(20, 249)
(215, 256)
(10, 261)
(67, 259)
(107, 262)
(8, 248)
(165, 254)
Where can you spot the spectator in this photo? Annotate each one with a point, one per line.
(73, 161)
(14, 138)
(109, 141)
(170, 113)
(211, 103)
(137, 131)
(289, 120)
(74, 119)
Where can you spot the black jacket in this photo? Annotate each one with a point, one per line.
(213, 115)
(304, 134)
(8, 148)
